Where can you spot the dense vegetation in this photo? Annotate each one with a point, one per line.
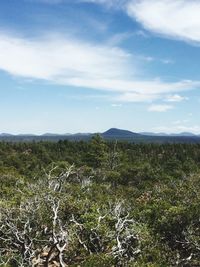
(99, 204)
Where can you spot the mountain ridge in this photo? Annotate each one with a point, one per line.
(119, 132)
(108, 133)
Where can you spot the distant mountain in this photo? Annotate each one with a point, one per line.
(183, 134)
(25, 135)
(153, 134)
(5, 134)
(51, 134)
(119, 134)
(78, 134)
(111, 134)
(166, 134)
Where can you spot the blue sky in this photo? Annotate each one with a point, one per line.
(89, 65)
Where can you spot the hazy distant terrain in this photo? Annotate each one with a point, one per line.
(111, 134)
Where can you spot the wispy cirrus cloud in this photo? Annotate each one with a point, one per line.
(51, 2)
(160, 108)
(178, 19)
(137, 97)
(60, 59)
(175, 98)
(71, 62)
(116, 105)
(108, 3)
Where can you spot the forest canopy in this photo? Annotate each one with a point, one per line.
(99, 203)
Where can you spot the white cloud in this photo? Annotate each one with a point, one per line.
(176, 98)
(58, 59)
(147, 58)
(71, 62)
(178, 129)
(180, 122)
(119, 38)
(151, 89)
(116, 105)
(160, 108)
(154, 59)
(167, 61)
(137, 97)
(173, 18)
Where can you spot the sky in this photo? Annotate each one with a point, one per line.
(69, 66)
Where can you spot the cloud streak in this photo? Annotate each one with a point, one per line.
(160, 108)
(108, 3)
(176, 98)
(71, 62)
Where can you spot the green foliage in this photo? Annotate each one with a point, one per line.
(99, 260)
(120, 204)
